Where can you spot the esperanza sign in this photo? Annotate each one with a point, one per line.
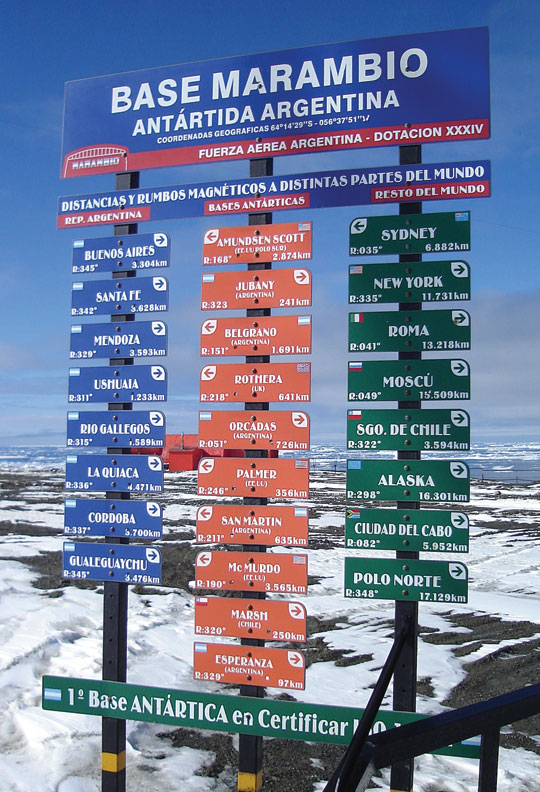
(375, 92)
(319, 190)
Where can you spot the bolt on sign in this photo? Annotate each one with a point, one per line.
(124, 429)
(419, 281)
(440, 232)
(125, 340)
(254, 478)
(142, 295)
(249, 665)
(261, 335)
(244, 244)
(397, 579)
(286, 102)
(279, 573)
(117, 384)
(118, 563)
(282, 430)
(409, 380)
(91, 472)
(414, 480)
(267, 620)
(416, 430)
(132, 252)
(276, 288)
(433, 530)
(408, 331)
(256, 382)
(258, 525)
(131, 519)
(291, 720)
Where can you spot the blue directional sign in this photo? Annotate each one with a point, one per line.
(122, 473)
(117, 340)
(118, 563)
(415, 88)
(124, 429)
(351, 187)
(113, 254)
(132, 519)
(125, 295)
(117, 384)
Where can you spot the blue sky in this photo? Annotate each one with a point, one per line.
(44, 45)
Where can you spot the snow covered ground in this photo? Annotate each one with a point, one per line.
(48, 629)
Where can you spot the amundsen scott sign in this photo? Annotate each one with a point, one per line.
(355, 94)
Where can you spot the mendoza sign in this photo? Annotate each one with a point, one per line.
(319, 190)
(355, 94)
(291, 720)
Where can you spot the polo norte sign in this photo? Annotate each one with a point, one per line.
(398, 579)
(376, 92)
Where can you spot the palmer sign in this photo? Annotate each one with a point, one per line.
(423, 87)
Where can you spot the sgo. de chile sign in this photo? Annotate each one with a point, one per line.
(417, 88)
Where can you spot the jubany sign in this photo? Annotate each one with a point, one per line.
(376, 92)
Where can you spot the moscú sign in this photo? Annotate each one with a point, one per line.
(355, 94)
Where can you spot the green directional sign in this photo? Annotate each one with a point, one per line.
(292, 720)
(409, 380)
(409, 331)
(420, 281)
(407, 529)
(439, 232)
(414, 430)
(408, 480)
(399, 579)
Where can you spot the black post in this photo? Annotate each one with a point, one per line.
(489, 761)
(115, 595)
(404, 698)
(250, 747)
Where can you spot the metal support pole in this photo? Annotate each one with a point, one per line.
(115, 595)
(250, 748)
(489, 761)
(404, 694)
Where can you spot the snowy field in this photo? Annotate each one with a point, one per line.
(47, 627)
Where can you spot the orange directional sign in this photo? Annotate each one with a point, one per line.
(249, 665)
(244, 244)
(262, 525)
(253, 382)
(282, 573)
(279, 288)
(269, 620)
(261, 335)
(253, 478)
(279, 429)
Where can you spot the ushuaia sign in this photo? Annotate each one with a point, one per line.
(358, 94)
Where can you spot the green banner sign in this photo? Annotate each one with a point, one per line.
(408, 480)
(439, 232)
(409, 380)
(409, 331)
(291, 720)
(399, 579)
(432, 281)
(407, 529)
(414, 430)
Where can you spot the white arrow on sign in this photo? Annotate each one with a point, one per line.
(461, 318)
(160, 284)
(359, 225)
(158, 373)
(459, 269)
(157, 418)
(460, 368)
(458, 571)
(459, 470)
(459, 417)
(152, 508)
(208, 373)
(153, 555)
(160, 240)
(154, 463)
(159, 328)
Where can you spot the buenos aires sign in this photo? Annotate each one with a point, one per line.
(376, 92)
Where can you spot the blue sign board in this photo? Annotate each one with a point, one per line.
(113, 254)
(107, 473)
(119, 518)
(351, 187)
(117, 384)
(416, 88)
(118, 340)
(125, 295)
(124, 429)
(117, 563)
